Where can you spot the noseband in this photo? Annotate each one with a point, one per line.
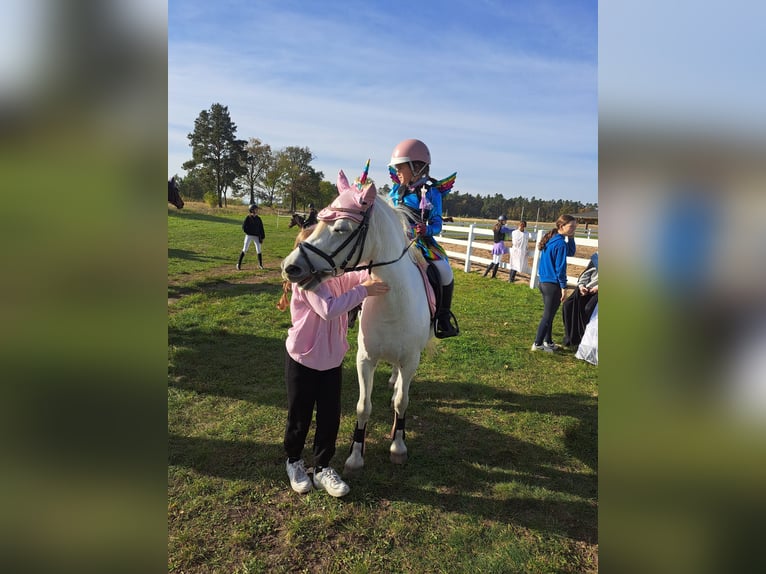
(359, 235)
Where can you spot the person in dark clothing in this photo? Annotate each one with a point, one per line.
(254, 234)
(578, 308)
(498, 247)
(312, 218)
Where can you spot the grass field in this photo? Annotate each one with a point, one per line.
(502, 469)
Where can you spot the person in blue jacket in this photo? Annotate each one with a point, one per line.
(421, 196)
(555, 247)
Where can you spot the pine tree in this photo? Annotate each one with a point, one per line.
(215, 147)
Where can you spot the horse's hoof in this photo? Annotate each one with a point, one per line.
(355, 461)
(398, 458)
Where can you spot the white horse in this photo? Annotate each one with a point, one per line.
(365, 228)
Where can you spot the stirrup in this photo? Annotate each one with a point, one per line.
(453, 331)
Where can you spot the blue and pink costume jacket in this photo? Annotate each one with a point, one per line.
(423, 201)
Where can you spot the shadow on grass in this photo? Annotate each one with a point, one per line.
(455, 464)
(223, 288)
(241, 367)
(188, 255)
(204, 217)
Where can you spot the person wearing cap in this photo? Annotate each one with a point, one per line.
(312, 218)
(498, 248)
(421, 197)
(254, 235)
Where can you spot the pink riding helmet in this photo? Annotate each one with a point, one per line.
(408, 151)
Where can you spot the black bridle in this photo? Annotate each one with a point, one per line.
(359, 235)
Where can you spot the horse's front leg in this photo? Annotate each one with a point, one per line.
(365, 368)
(400, 401)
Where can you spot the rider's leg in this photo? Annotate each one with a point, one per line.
(444, 327)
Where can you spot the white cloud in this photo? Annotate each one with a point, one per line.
(510, 122)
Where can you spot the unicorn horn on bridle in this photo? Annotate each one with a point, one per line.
(363, 178)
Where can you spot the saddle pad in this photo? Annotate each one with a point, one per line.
(429, 290)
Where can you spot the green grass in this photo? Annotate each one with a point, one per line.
(502, 473)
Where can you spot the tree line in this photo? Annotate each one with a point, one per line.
(221, 165)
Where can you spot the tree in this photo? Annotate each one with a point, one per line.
(258, 160)
(272, 179)
(305, 188)
(327, 193)
(197, 183)
(299, 178)
(494, 206)
(215, 147)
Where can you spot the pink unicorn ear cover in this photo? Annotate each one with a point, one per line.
(351, 202)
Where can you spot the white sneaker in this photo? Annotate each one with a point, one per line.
(238, 267)
(550, 346)
(542, 347)
(299, 480)
(260, 266)
(327, 479)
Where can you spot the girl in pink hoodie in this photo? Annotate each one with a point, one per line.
(316, 344)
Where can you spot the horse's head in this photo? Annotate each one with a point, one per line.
(174, 196)
(295, 220)
(337, 242)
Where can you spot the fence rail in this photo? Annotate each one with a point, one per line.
(474, 241)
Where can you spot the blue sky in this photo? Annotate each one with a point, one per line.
(503, 92)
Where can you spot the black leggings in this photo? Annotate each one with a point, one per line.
(305, 388)
(551, 303)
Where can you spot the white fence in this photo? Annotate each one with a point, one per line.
(474, 241)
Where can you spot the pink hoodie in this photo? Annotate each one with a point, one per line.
(318, 337)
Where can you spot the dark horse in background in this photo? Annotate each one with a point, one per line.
(174, 196)
(298, 220)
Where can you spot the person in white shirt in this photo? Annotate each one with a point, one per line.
(519, 248)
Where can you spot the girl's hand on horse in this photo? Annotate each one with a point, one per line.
(375, 287)
(421, 229)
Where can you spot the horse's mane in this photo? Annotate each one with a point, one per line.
(394, 217)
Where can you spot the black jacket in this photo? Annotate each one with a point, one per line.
(254, 226)
(311, 219)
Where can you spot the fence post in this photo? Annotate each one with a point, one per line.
(468, 249)
(535, 261)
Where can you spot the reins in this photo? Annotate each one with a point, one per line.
(360, 234)
(370, 265)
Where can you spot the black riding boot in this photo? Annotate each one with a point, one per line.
(260, 261)
(494, 271)
(512, 278)
(241, 256)
(488, 269)
(444, 316)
